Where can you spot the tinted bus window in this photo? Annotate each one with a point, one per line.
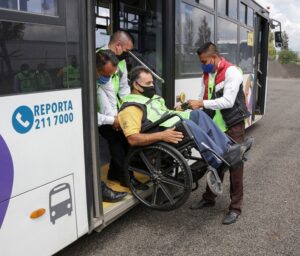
(227, 39)
(35, 58)
(232, 8)
(243, 9)
(208, 3)
(194, 27)
(46, 7)
(250, 17)
(246, 51)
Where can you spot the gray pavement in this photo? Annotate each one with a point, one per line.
(270, 222)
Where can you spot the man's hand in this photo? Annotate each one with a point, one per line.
(194, 104)
(116, 125)
(170, 135)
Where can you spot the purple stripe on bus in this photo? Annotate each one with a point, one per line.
(6, 178)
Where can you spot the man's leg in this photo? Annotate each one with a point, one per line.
(220, 146)
(210, 128)
(237, 133)
(118, 147)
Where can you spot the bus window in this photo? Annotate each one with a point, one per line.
(243, 10)
(47, 7)
(194, 27)
(228, 8)
(227, 40)
(246, 51)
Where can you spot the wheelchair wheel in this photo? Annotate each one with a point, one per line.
(167, 173)
(214, 182)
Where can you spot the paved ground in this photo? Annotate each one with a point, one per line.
(270, 222)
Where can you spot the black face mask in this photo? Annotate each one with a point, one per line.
(123, 56)
(148, 91)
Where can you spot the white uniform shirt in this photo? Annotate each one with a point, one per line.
(107, 100)
(231, 85)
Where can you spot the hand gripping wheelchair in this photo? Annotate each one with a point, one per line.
(167, 169)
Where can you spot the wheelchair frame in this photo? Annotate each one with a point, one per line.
(167, 168)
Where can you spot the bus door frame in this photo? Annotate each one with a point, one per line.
(260, 67)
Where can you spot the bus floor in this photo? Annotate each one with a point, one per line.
(117, 187)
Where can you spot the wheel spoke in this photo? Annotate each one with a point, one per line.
(135, 169)
(158, 160)
(166, 191)
(172, 182)
(146, 161)
(154, 194)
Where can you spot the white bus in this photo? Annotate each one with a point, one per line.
(51, 158)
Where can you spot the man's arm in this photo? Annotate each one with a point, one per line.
(124, 87)
(143, 139)
(105, 114)
(130, 120)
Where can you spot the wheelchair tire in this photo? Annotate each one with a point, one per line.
(168, 173)
(212, 181)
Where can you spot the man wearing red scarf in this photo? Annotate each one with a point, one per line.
(223, 99)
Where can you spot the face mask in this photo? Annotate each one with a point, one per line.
(148, 91)
(123, 56)
(103, 79)
(208, 68)
(25, 72)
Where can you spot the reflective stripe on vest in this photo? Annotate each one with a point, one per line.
(155, 108)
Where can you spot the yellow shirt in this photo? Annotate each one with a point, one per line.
(130, 120)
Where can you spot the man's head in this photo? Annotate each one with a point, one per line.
(121, 42)
(106, 65)
(25, 68)
(209, 57)
(141, 81)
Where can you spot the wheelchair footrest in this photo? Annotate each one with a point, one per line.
(198, 169)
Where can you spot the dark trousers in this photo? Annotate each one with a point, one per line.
(118, 147)
(237, 133)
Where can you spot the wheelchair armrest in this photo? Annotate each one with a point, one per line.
(160, 121)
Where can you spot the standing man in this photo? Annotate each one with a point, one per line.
(222, 97)
(106, 66)
(111, 89)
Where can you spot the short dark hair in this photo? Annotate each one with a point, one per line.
(134, 74)
(105, 56)
(208, 47)
(121, 35)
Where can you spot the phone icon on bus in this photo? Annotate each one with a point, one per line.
(60, 202)
(19, 118)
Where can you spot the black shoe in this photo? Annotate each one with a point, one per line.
(135, 183)
(230, 217)
(202, 204)
(109, 195)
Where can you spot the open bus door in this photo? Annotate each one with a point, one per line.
(146, 22)
(261, 59)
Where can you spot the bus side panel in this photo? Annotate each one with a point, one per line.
(44, 135)
(22, 235)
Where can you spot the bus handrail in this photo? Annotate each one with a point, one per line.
(143, 64)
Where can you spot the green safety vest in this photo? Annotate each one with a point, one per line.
(218, 118)
(27, 83)
(154, 109)
(43, 80)
(71, 76)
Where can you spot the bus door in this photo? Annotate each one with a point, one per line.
(261, 59)
(143, 20)
(43, 205)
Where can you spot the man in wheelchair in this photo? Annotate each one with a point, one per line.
(142, 108)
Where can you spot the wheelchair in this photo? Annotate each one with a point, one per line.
(170, 169)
